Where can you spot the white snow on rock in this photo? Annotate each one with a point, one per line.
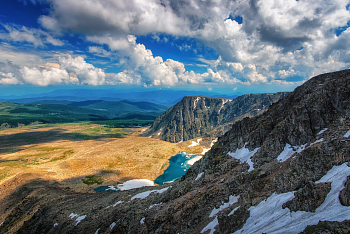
(119, 202)
(53, 225)
(269, 217)
(347, 134)
(193, 160)
(147, 193)
(199, 175)
(72, 215)
(97, 231)
(232, 200)
(211, 226)
(318, 141)
(195, 143)
(136, 183)
(233, 211)
(195, 102)
(142, 221)
(244, 155)
(151, 206)
(112, 225)
(322, 131)
(78, 218)
(224, 101)
(289, 151)
(205, 150)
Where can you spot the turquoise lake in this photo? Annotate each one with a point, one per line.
(178, 165)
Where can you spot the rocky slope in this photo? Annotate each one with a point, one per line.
(284, 171)
(194, 116)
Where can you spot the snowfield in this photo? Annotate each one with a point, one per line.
(269, 217)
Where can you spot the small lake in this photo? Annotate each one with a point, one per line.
(178, 165)
(106, 188)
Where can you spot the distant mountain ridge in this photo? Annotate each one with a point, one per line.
(62, 96)
(195, 116)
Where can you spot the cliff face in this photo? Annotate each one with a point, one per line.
(279, 172)
(195, 116)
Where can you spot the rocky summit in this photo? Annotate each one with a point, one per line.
(196, 116)
(284, 171)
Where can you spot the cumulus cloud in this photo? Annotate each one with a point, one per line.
(277, 34)
(273, 40)
(68, 70)
(37, 37)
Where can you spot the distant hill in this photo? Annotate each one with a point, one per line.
(13, 115)
(196, 116)
(167, 98)
(116, 109)
(23, 114)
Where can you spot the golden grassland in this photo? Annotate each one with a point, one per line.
(74, 153)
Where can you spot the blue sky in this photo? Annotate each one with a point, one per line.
(215, 45)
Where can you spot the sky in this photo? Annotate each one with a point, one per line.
(227, 46)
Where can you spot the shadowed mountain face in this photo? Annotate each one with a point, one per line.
(195, 116)
(279, 172)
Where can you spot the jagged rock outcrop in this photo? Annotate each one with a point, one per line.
(195, 116)
(290, 153)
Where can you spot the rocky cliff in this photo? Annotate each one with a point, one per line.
(195, 116)
(284, 171)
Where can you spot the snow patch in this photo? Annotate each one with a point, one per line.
(195, 143)
(322, 131)
(211, 226)
(53, 225)
(142, 221)
(195, 102)
(112, 225)
(205, 150)
(72, 215)
(193, 160)
(136, 183)
(224, 101)
(289, 151)
(269, 217)
(151, 206)
(244, 155)
(213, 142)
(232, 200)
(199, 175)
(119, 202)
(97, 231)
(347, 134)
(318, 141)
(147, 193)
(233, 211)
(78, 218)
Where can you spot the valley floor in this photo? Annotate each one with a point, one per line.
(80, 156)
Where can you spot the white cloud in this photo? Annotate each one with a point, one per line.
(99, 51)
(51, 76)
(37, 37)
(86, 73)
(291, 34)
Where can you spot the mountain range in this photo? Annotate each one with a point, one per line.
(283, 171)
